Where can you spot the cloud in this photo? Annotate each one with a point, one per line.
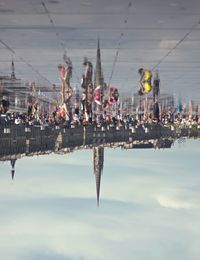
(174, 204)
(68, 229)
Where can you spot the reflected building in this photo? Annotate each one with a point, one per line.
(99, 79)
(20, 94)
(14, 90)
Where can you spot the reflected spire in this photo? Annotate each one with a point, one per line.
(99, 80)
(12, 162)
(98, 160)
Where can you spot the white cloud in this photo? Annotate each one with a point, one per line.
(174, 203)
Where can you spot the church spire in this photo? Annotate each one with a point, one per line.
(13, 70)
(98, 153)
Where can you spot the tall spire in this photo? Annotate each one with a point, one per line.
(99, 80)
(98, 153)
(13, 70)
(12, 162)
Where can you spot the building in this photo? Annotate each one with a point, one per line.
(14, 90)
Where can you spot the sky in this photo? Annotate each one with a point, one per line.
(149, 206)
(154, 34)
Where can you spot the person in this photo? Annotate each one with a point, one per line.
(4, 105)
(145, 81)
(156, 86)
(156, 111)
(98, 95)
(83, 101)
(114, 95)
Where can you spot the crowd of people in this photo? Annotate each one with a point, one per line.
(77, 118)
(77, 114)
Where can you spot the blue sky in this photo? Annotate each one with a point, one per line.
(149, 206)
